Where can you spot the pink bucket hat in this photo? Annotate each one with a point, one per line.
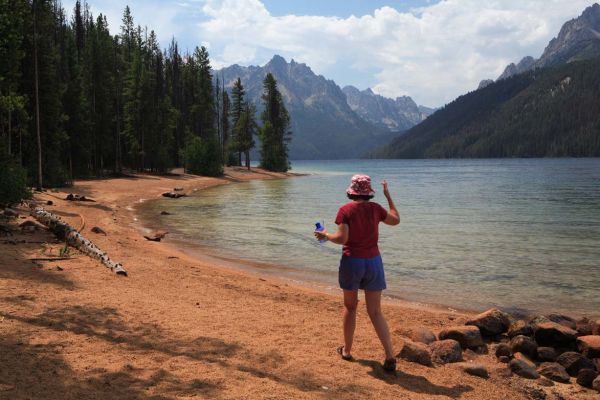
(361, 186)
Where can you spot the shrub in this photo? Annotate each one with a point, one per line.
(13, 180)
(203, 157)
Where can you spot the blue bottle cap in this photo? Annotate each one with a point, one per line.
(318, 225)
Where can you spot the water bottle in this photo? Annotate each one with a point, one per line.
(320, 228)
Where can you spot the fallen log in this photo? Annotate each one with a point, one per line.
(73, 238)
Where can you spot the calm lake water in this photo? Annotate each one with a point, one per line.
(521, 234)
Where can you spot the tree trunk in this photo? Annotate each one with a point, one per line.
(248, 160)
(37, 99)
(9, 124)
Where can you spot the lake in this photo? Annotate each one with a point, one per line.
(520, 234)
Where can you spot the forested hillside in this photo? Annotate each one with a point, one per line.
(549, 112)
(76, 101)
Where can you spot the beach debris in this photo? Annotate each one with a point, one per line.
(30, 226)
(586, 377)
(554, 371)
(165, 213)
(59, 268)
(156, 237)
(522, 366)
(525, 345)
(98, 230)
(547, 354)
(468, 336)
(416, 352)
(77, 197)
(446, 351)
(174, 195)
(49, 203)
(9, 212)
(73, 238)
(491, 322)
(474, 369)
(422, 335)
(520, 327)
(574, 362)
(554, 335)
(177, 189)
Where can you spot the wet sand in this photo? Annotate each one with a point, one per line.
(182, 327)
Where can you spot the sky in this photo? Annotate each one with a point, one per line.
(431, 50)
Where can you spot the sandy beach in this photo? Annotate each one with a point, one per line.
(180, 327)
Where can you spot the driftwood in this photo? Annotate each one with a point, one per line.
(76, 197)
(157, 236)
(174, 195)
(66, 232)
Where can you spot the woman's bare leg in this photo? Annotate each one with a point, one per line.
(350, 303)
(373, 300)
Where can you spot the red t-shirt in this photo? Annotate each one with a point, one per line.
(363, 218)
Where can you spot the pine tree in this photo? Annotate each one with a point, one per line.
(275, 134)
(237, 109)
(245, 130)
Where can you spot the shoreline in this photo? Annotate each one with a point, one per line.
(182, 327)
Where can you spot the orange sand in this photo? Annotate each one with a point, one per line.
(182, 328)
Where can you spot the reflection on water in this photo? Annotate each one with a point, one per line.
(474, 233)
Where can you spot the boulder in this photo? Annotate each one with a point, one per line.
(596, 384)
(543, 381)
(523, 369)
(574, 362)
(596, 327)
(521, 356)
(422, 335)
(519, 327)
(503, 349)
(446, 351)
(538, 319)
(474, 369)
(563, 320)
(589, 346)
(554, 371)
(552, 334)
(546, 354)
(586, 377)
(584, 327)
(469, 337)
(491, 322)
(525, 345)
(415, 352)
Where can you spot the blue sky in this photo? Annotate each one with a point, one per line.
(432, 50)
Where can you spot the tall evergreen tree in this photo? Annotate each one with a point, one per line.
(237, 108)
(245, 130)
(275, 134)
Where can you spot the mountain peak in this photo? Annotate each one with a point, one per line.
(277, 61)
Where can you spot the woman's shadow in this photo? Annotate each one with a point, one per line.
(414, 383)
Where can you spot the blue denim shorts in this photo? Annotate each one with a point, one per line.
(362, 273)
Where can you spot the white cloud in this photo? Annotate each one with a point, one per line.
(433, 53)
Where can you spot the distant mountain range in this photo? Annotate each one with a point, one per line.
(327, 122)
(537, 108)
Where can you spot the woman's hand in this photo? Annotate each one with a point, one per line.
(321, 235)
(386, 192)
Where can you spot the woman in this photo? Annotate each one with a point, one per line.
(361, 266)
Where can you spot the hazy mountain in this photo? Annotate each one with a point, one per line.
(324, 126)
(578, 39)
(395, 115)
(484, 83)
(547, 112)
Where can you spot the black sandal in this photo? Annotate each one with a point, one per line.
(389, 365)
(340, 351)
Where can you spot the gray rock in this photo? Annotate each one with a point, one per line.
(586, 377)
(523, 369)
(525, 345)
(574, 362)
(552, 334)
(415, 352)
(469, 337)
(422, 335)
(554, 371)
(503, 349)
(563, 320)
(446, 351)
(584, 327)
(491, 322)
(538, 319)
(520, 327)
(474, 369)
(546, 354)
(589, 346)
(504, 359)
